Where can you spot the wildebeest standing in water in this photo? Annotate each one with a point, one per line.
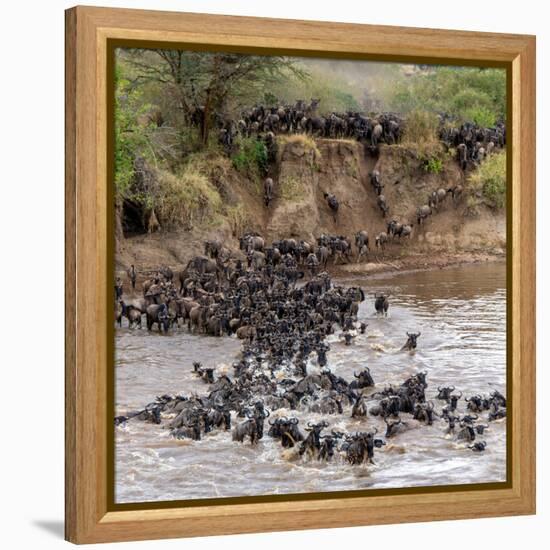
(410, 344)
(381, 304)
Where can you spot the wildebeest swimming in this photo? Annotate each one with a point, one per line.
(284, 319)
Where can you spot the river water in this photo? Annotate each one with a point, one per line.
(461, 314)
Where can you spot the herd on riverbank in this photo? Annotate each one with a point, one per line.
(283, 369)
(279, 300)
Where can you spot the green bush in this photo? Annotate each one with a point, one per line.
(490, 180)
(481, 116)
(433, 165)
(251, 157)
(468, 93)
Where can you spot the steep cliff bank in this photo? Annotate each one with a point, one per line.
(304, 170)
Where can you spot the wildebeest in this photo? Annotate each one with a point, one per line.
(381, 240)
(286, 429)
(381, 304)
(425, 412)
(328, 445)
(361, 242)
(268, 191)
(248, 428)
(333, 204)
(375, 181)
(393, 427)
(478, 447)
(383, 205)
(363, 380)
(360, 447)
(312, 443)
(453, 401)
(444, 393)
(422, 213)
(158, 313)
(410, 344)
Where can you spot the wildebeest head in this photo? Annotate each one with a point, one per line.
(453, 400)
(444, 393)
(411, 340)
(328, 444)
(392, 426)
(364, 378)
(478, 447)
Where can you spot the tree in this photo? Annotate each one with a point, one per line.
(205, 86)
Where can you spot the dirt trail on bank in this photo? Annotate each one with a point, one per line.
(305, 169)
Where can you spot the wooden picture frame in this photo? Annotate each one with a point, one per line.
(90, 33)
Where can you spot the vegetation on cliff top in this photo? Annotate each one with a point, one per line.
(467, 93)
(168, 161)
(488, 182)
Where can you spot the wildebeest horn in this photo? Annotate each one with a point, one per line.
(266, 413)
(309, 424)
(438, 388)
(475, 417)
(460, 395)
(453, 388)
(354, 374)
(375, 430)
(294, 421)
(272, 423)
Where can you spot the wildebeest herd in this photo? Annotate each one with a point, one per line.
(472, 142)
(284, 319)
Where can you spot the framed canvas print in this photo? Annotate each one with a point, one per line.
(300, 274)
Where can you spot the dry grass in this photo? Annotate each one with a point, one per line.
(421, 131)
(186, 199)
(238, 218)
(301, 139)
(291, 188)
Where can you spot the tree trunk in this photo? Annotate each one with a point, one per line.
(205, 120)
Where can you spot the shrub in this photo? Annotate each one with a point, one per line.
(421, 127)
(185, 199)
(238, 219)
(251, 158)
(433, 165)
(490, 180)
(481, 116)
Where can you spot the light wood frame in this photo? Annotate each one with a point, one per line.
(88, 29)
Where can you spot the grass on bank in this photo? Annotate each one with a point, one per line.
(488, 181)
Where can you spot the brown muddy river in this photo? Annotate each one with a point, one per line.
(461, 313)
